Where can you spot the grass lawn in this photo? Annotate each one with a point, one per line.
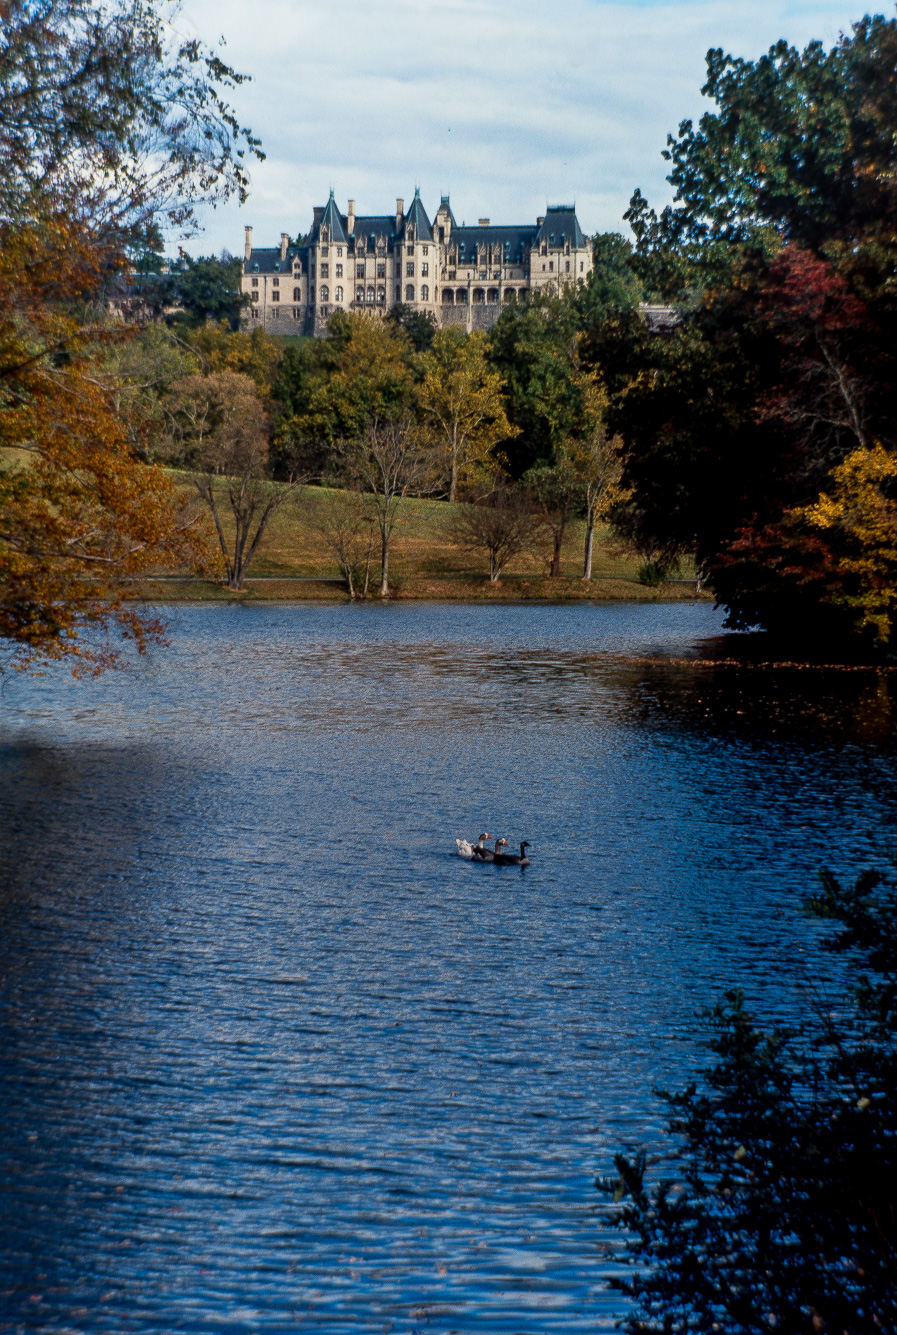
(293, 562)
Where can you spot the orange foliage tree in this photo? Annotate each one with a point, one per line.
(80, 515)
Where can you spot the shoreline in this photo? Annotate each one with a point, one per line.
(514, 589)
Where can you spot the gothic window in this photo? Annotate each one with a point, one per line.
(274, 314)
(425, 293)
(479, 296)
(442, 236)
(297, 293)
(568, 266)
(381, 270)
(551, 266)
(580, 266)
(410, 233)
(275, 296)
(255, 282)
(255, 296)
(381, 250)
(398, 293)
(325, 271)
(339, 252)
(360, 270)
(381, 296)
(447, 297)
(461, 296)
(493, 296)
(371, 295)
(409, 269)
(325, 294)
(339, 271)
(339, 294)
(275, 282)
(359, 295)
(410, 250)
(409, 292)
(425, 269)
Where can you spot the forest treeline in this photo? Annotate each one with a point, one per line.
(752, 433)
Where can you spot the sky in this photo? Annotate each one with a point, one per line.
(506, 106)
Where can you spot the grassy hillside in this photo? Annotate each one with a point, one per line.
(425, 563)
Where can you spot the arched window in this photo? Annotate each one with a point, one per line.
(425, 293)
(409, 292)
(461, 296)
(359, 295)
(447, 297)
(339, 294)
(381, 296)
(297, 293)
(325, 293)
(493, 296)
(371, 295)
(479, 296)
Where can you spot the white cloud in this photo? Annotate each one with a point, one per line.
(505, 105)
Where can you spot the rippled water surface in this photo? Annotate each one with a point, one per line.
(273, 1059)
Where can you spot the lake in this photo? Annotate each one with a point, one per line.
(273, 1059)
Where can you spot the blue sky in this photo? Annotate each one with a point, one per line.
(506, 106)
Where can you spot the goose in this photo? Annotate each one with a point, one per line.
(511, 859)
(469, 850)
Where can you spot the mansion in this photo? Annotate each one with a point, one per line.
(460, 275)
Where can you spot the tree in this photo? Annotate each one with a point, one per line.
(111, 120)
(781, 1213)
(346, 523)
(331, 389)
(534, 348)
(502, 524)
(109, 127)
(461, 397)
(418, 327)
(557, 493)
(207, 289)
(389, 461)
(223, 432)
(81, 517)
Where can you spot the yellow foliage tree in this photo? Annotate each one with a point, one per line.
(860, 515)
(462, 399)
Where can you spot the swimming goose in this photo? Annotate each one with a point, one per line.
(469, 850)
(511, 859)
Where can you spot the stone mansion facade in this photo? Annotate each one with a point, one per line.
(461, 275)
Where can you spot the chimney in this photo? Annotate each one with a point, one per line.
(350, 222)
(484, 222)
(318, 213)
(539, 222)
(284, 242)
(248, 245)
(400, 212)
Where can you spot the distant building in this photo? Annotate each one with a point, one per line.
(461, 275)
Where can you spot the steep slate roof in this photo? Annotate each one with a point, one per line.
(417, 214)
(266, 259)
(336, 222)
(515, 241)
(561, 227)
(379, 226)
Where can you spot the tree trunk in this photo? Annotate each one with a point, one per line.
(556, 555)
(590, 543)
(384, 565)
(367, 564)
(453, 481)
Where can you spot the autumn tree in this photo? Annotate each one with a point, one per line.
(81, 517)
(502, 524)
(222, 430)
(346, 522)
(331, 389)
(109, 123)
(389, 462)
(461, 398)
(557, 493)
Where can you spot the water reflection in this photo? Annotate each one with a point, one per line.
(273, 1058)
